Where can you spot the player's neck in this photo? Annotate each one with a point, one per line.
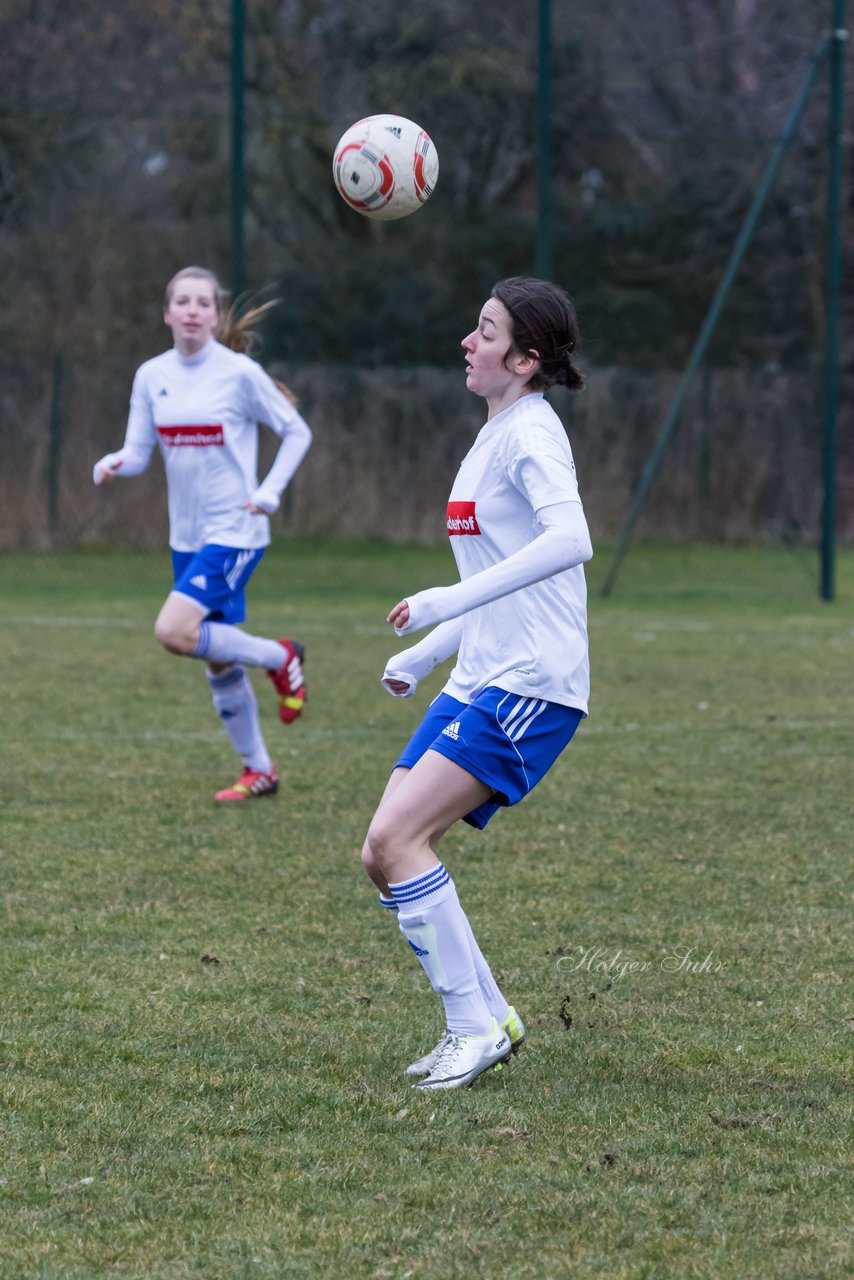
(192, 353)
(499, 403)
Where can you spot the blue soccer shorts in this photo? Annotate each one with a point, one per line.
(216, 577)
(506, 741)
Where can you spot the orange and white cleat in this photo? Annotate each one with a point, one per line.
(289, 681)
(252, 783)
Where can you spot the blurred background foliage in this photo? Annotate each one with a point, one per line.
(114, 167)
(115, 172)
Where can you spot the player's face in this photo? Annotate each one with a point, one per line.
(492, 365)
(192, 314)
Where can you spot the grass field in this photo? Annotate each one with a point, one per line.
(205, 1014)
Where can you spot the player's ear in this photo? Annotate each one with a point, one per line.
(526, 362)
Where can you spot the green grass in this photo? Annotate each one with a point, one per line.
(205, 1014)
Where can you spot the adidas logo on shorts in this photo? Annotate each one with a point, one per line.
(452, 730)
(199, 581)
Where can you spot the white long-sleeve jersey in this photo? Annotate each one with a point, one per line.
(520, 539)
(203, 411)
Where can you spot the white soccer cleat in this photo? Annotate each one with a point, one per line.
(463, 1058)
(515, 1028)
(423, 1066)
(512, 1024)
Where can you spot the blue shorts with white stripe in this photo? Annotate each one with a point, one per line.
(507, 741)
(216, 577)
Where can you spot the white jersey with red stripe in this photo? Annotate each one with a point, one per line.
(532, 642)
(203, 411)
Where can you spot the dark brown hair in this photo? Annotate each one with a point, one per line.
(543, 324)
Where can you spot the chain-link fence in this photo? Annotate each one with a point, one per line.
(744, 463)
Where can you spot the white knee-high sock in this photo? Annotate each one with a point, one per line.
(235, 704)
(489, 988)
(220, 642)
(435, 926)
(493, 996)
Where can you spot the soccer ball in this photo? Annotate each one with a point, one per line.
(385, 167)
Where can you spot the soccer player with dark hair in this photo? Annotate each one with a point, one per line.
(517, 622)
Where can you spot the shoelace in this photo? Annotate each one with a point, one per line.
(452, 1046)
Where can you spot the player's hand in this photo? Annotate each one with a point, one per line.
(105, 472)
(399, 616)
(397, 682)
(254, 509)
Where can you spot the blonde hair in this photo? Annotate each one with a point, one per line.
(236, 326)
(197, 273)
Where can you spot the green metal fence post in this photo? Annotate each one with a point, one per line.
(54, 449)
(832, 302)
(545, 159)
(704, 464)
(238, 176)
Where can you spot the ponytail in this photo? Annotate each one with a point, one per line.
(559, 372)
(238, 332)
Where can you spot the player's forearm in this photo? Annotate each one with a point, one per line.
(562, 545)
(412, 665)
(291, 453)
(131, 460)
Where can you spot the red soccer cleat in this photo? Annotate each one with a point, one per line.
(290, 681)
(250, 784)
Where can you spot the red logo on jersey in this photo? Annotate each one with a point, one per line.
(203, 435)
(462, 519)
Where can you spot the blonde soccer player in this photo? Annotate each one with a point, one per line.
(202, 402)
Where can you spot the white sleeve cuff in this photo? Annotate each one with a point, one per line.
(264, 499)
(392, 673)
(424, 657)
(133, 460)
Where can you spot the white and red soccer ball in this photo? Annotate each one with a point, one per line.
(385, 167)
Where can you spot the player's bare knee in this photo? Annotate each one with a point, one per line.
(163, 635)
(174, 640)
(381, 846)
(368, 861)
(372, 868)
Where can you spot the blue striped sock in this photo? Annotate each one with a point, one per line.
(235, 704)
(427, 890)
(435, 926)
(221, 642)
